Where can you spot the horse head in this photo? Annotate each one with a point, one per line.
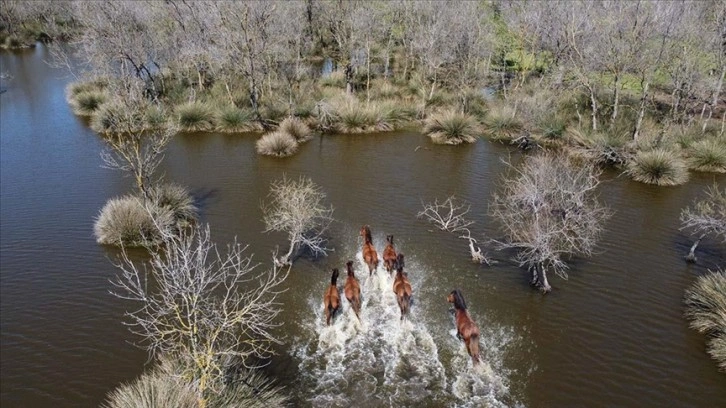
(349, 266)
(399, 263)
(457, 299)
(334, 277)
(365, 232)
(389, 238)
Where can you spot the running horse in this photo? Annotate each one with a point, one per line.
(352, 289)
(389, 255)
(331, 299)
(402, 288)
(370, 256)
(465, 327)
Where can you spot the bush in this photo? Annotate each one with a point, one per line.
(706, 309)
(391, 114)
(451, 127)
(116, 117)
(354, 118)
(233, 119)
(708, 156)
(278, 144)
(297, 129)
(658, 166)
(195, 116)
(175, 198)
(155, 117)
(125, 221)
(501, 124)
(155, 389)
(85, 103)
(551, 127)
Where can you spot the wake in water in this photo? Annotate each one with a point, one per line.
(381, 360)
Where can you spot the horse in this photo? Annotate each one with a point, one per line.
(331, 298)
(465, 327)
(402, 288)
(352, 289)
(370, 256)
(389, 255)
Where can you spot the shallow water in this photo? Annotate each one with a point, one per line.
(611, 335)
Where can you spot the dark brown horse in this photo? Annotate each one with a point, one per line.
(465, 327)
(352, 289)
(331, 299)
(370, 256)
(402, 288)
(389, 255)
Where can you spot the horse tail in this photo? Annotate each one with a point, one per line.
(405, 304)
(356, 306)
(473, 348)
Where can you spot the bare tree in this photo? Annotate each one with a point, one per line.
(201, 306)
(548, 211)
(707, 217)
(132, 148)
(449, 216)
(296, 208)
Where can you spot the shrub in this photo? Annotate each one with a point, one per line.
(153, 389)
(451, 127)
(233, 119)
(155, 117)
(551, 127)
(658, 166)
(85, 103)
(391, 114)
(706, 309)
(125, 221)
(354, 118)
(194, 117)
(115, 117)
(708, 155)
(175, 198)
(297, 129)
(278, 143)
(501, 124)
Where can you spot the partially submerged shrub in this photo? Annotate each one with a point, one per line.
(278, 144)
(658, 166)
(233, 119)
(501, 124)
(451, 127)
(706, 309)
(126, 221)
(297, 129)
(85, 103)
(708, 156)
(154, 389)
(195, 116)
(116, 117)
(175, 198)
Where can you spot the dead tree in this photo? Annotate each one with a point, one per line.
(707, 217)
(449, 216)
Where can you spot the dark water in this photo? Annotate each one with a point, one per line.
(612, 335)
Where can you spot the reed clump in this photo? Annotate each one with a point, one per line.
(662, 167)
(277, 144)
(195, 117)
(706, 309)
(451, 127)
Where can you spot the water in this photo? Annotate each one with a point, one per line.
(612, 335)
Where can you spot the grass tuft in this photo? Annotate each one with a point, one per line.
(234, 120)
(86, 103)
(501, 124)
(125, 221)
(177, 199)
(706, 309)
(278, 144)
(707, 156)
(451, 128)
(195, 117)
(658, 166)
(297, 129)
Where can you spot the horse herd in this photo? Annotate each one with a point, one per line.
(465, 326)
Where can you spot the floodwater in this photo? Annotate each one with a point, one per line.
(611, 335)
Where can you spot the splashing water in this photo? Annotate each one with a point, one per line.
(380, 360)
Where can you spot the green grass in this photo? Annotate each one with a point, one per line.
(155, 117)
(658, 166)
(355, 118)
(708, 156)
(706, 309)
(234, 120)
(451, 127)
(501, 124)
(277, 144)
(195, 117)
(86, 103)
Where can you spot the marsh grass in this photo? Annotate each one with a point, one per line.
(501, 124)
(659, 166)
(86, 103)
(125, 221)
(297, 129)
(177, 199)
(708, 156)
(277, 144)
(353, 117)
(451, 127)
(706, 309)
(235, 120)
(195, 117)
(153, 389)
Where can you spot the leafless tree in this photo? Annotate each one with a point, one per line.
(131, 147)
(296, 208)
(202, 306)
(548, 211)
(449, 216)
(707, 217)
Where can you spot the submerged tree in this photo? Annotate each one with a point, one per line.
(296, 208)
(707, 217)
(202, 307)
(548, 211)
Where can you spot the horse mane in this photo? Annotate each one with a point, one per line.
(349, 266)
(389, 238)
(459, 302)
(334, 277)
(399, 263)
(368, 237)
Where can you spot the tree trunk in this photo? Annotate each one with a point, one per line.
(616, 99)
(593, 104)
(368, 71)
(349, 79)
(641, 112)
(691, 257)
(715, 99)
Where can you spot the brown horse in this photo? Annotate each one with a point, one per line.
(352, 289)
(465, 327)
(389, 255)
(370, 256)
(331, 299)
(402, 288)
